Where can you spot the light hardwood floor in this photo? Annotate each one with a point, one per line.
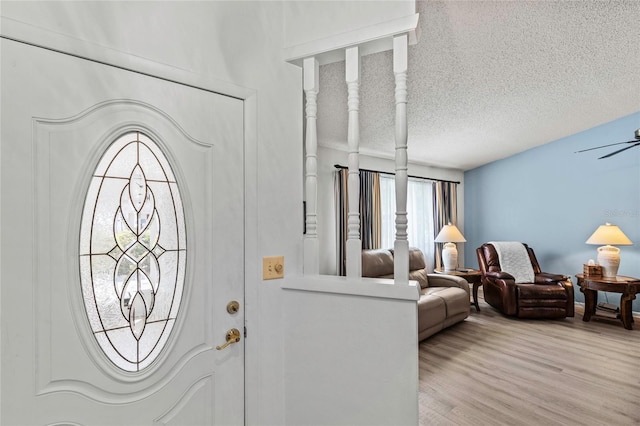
(495, 370)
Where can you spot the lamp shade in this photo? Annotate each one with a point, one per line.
(449, 234)
(609, 234)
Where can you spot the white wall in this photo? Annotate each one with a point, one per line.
(240, 44)
(358, 341)
(312, 20)
(327, 157)
(351, 349)
(221, 42)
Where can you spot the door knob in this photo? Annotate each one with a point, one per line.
(233, 307)
(233, 336)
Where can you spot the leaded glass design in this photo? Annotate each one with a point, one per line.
(132, 251)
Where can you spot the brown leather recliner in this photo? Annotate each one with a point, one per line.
(549, 296)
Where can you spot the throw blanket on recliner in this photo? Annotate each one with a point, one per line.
(514, 260)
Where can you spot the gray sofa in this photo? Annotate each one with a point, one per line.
(444, 300)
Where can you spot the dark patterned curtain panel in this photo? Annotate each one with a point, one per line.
(445, 210)
(370, 210)
(341, 199)
(370, 213)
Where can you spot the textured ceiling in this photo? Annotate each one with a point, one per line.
(489, 79)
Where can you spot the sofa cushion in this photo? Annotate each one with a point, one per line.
(432, 312)
(417, 266)
(441, 307)
(416, 259)
(420, 275)
(455, 299)
(444, 280)
(376, 263)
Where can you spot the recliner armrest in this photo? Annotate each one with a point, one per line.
(545, 278)
(444, 280)
(499, 275)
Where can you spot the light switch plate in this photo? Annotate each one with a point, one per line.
(272, 267)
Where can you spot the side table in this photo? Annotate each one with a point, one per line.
(473, 276)
(628, 286)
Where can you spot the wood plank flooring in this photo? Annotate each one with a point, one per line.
(495, 370)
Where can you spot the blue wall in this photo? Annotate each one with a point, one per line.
(553, 199)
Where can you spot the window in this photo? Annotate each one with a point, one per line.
(419, 215)
(132, 251)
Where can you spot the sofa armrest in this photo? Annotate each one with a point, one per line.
(444, 280)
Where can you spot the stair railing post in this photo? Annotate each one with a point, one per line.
(354, 244)
(311, 88)
(401, 244)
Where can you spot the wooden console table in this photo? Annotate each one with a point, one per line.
(472, 276)
(628, 286)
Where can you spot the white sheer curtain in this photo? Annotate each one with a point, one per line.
(419, 215)
(388, 211)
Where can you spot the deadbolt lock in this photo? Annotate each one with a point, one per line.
(233, 336)
(233, 307)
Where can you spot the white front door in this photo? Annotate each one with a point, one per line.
(109, 320)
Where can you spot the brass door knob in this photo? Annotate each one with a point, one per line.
(233, 336)
(233, 307)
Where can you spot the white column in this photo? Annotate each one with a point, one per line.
(401, 245)
(354, 244)
(311, 85)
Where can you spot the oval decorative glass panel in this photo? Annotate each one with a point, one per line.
(132, 251)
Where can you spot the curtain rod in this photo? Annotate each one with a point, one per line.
(338, 166)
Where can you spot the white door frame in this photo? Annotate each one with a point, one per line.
(39, 37)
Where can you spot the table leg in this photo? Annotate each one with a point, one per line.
(475, 296)
(626, 314)
(590, 302)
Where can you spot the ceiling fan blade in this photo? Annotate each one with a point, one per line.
(604, 146)
(619, 151)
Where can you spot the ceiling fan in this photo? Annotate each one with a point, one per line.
(635, 142)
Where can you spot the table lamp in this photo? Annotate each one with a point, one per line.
(608, 255)
(449, 235)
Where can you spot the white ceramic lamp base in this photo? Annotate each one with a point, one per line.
(609, 259)
(450, 257)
